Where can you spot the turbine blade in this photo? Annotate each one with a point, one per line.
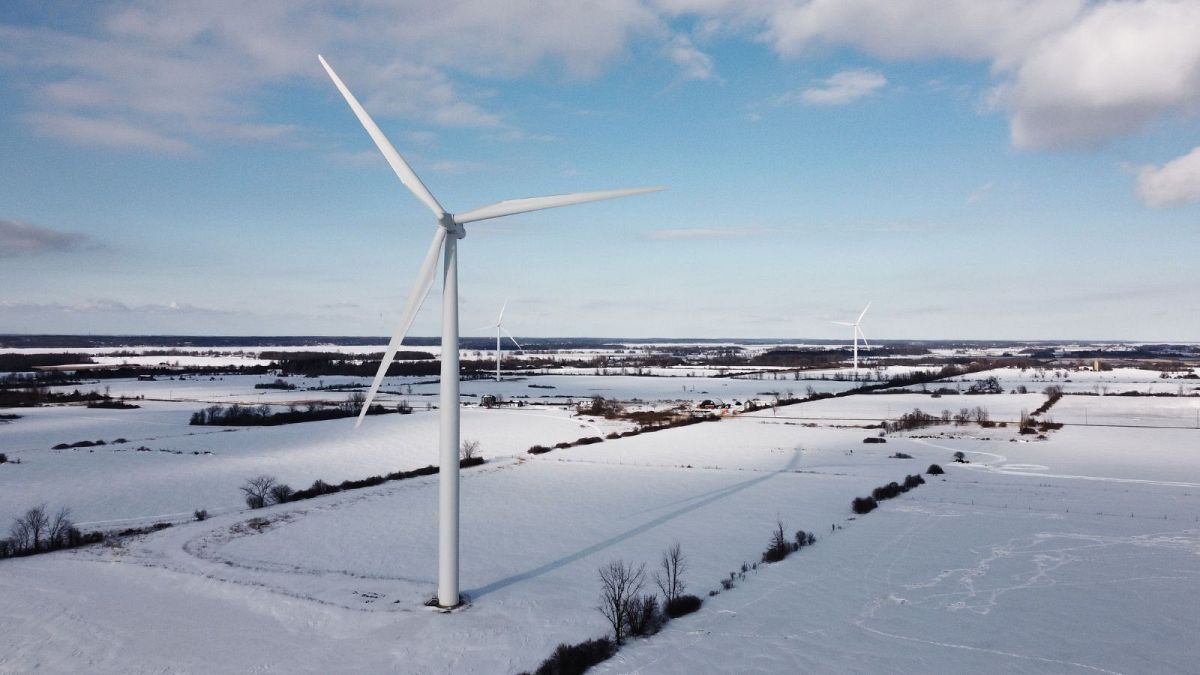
(863, 336)
(502, 308)
(401, 167)
(843, 323)
(415, 299)
(510, 337)
(511, 206)
(864, 313)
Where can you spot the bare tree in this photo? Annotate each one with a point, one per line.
(669, 578)
(620, 583)
(59, 528)
(257, 490)
(29, 530)
(469, 450)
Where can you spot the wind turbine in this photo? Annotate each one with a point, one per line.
(857, 333)
(499, 326)
(445, 243)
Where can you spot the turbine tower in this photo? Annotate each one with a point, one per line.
(856, 332)
(499, 326)
(445, 244)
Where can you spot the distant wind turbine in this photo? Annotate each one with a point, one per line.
(857, 333)
(445, 239)
(499, 326)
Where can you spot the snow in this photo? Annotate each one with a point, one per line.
(1080, 552)
(116, 484)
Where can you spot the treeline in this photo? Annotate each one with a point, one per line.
(237, 415)
(13, 363)
(39, 395)
(264, 490)
(39, 531)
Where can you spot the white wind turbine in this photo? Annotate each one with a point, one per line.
(445, 239)
(499, 326)
(857, 332)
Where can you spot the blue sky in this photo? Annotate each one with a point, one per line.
(1013, 169)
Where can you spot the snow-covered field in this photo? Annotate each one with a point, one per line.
(201, 467)
(1100, 383)
(1080, 552)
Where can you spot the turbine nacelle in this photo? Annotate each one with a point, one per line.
(452, 226)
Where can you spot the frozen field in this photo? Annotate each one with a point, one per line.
(1103, 382)
(1077, 553)
(115, 484)
(543, 388)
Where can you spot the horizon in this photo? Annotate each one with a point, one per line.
(434, 340)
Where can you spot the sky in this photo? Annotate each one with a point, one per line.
(1012, 169)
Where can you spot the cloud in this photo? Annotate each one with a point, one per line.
(456, 167)
(1110, 74)
(1069, 73)
(1174, 184)
(695, 64)
(168, 76)
(18, 238)
(109, 306)
(980, 192)
(844, 87)
(700, 233)
(105, 132)
(997, 30)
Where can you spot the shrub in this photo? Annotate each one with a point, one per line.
(960, 457)
(469, 450)
(901, 455)
(576, 659)
(645, 617)
(911, 481)
(562, 445)
(874, 439)
(538, 450)
(805, 539)
(863, 505)
(3, 458)
(201, 514)
(934, 470)
(683, 604)
(281, 493)
(886, 492)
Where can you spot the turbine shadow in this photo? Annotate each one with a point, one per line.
(616, 539)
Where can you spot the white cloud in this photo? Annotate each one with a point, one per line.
(982, 191)
(105, 132)
(170, 75)
(1174, 184)
(844, 87)
(695, 64)
(1109, 74)
(454, 166)
(109, 306)
(700, 233)
(996, 30)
